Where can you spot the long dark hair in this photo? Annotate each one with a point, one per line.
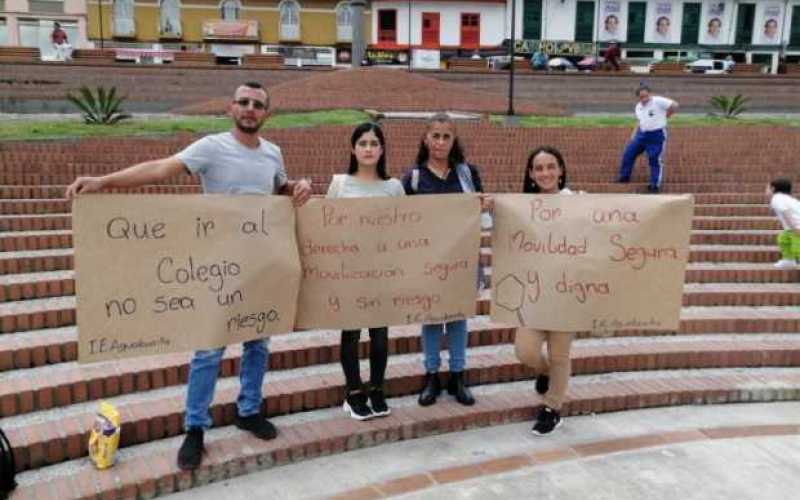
(362, 129)
(528, 185)
(456, 156)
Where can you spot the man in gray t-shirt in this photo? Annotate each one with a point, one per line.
(235, 162)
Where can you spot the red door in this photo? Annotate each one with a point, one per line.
(387, 27)
(470, 31)
(430, 29)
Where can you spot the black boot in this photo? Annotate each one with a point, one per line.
(431, 389)
(456, 387)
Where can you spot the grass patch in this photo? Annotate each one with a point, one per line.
(628, 121)
(75, 128)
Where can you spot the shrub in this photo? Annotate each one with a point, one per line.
(104, 108)
(728, 107)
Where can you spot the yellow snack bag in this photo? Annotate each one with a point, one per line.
(104, 437)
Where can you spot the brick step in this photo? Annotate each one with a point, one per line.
(61, 206)
(735, 223)
(63, 179)
(732, 210)
(29, 286)
(53, 344)
(39, 438)
(706, 253)
(35, 222)
(36, 261)
(666, 188)
(145, 471)
(40, 222)
(40, 206)
(57, 191)
(17, 241)
(35, 240)
(30, 390)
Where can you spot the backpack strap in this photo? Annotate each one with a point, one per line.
(465, 178)
(415, 180)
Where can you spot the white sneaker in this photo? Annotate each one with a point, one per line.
(786, 264)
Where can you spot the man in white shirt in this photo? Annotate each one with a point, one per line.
(649, 135)
(787, 209)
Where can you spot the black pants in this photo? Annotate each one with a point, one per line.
(378, 355)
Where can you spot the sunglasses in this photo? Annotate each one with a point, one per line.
(246, 102)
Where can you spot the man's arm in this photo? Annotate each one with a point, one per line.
(672, 109)
(149, 172)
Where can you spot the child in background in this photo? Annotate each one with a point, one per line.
(787, 209)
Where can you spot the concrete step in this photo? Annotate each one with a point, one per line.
(147, 470)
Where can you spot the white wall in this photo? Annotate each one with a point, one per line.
(493, 22)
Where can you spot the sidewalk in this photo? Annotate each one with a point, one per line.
(679, 452)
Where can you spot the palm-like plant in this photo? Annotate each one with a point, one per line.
(104, 108)
(729, 107)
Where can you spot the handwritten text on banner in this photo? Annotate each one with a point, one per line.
(590, 261)
(388, 261)
(158, 274)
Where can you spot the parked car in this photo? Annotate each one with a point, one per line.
(710, 66)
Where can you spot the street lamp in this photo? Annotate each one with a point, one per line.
(511, 51)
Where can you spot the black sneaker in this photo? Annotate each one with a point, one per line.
(653, 189)
(542, 384)
(356, 404)
(191, 453)
(258, 425)
(547, 421)
(377, 401)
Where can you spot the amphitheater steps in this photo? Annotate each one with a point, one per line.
(148, 470)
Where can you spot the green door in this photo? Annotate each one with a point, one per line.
(532, 20)
(636, 15)
(794, 34)
(584, 22)
(690, 28)
(745, 18)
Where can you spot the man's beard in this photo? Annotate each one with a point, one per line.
(248, 130)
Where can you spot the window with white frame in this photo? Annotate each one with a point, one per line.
(290, 20)
(169, 18)
(344, 22)
(123, 18)
(230, 10)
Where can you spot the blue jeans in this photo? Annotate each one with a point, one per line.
(203, 373)
(653, 143)
(456, 341)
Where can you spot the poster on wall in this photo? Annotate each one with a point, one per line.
(663, 26)
(613, 14)
(714, 24)
(767, 30)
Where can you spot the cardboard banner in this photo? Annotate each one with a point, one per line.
(159, 274)
(387, 261)
(590, 261)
